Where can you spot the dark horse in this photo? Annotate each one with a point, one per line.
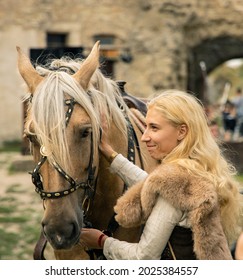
(64, 124)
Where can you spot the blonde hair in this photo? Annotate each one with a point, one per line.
(46, 112)
(200, 154)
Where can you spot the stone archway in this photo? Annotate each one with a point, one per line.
(212, 52)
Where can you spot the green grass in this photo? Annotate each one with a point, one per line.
(15, 189)
(8, 243)
(19, 226)
(6, 210)
(11, 146)
(15, 219)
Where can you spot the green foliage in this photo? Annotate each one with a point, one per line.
(240, 178)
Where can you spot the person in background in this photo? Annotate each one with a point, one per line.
(214, 128)
(238, 103)
(229, 120)
(189, 205)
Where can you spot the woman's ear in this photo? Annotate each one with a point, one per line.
(182, 132)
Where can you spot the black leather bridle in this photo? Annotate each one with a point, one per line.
(86, 185)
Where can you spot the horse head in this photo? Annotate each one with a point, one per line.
(64, 131)
(67, 102)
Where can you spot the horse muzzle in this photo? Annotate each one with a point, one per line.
(62, 236)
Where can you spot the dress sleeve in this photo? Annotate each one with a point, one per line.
(158, 228)
(127, 171)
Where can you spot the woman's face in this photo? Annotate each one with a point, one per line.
(160, 136)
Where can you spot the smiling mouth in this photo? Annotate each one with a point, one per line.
(150, 148)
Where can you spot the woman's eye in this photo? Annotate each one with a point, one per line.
(154, 128)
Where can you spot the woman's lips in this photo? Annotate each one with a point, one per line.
(149, 147)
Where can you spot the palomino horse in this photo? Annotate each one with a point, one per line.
(67, 104)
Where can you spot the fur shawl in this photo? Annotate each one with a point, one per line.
(190, 194)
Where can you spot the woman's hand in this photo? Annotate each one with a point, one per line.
(104, 145)
(92, 238)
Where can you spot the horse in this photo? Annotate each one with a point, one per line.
(67, 103)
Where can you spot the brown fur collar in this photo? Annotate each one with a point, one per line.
(191, 194)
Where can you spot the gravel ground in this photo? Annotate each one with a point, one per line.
(20, 208)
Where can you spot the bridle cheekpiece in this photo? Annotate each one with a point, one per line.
(86, 185)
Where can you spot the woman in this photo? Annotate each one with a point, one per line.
(189, 204)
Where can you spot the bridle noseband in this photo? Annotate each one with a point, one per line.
(36, 179)
(86, 185)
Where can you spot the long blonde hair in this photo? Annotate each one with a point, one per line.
(46, 112)
(200, 154)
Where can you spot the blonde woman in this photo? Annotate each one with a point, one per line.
(190, 204)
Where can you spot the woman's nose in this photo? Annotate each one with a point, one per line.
(145, 137)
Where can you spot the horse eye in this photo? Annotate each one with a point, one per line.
(85, 132)
(29, 137)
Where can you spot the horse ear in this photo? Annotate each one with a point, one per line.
(27, 71)
(87, 69)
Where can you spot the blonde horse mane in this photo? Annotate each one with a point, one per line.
(47, 111)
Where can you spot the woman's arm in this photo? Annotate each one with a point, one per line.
(127, 171)
(158, 228)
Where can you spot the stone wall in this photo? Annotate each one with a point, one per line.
(161, 35)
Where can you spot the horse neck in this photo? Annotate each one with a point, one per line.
(119, 145)
(109, 186)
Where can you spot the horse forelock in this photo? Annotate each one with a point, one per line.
(104, 91)
(47, 111)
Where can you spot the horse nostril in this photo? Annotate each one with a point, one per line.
(75, 231)
(43, 227)
(62, 236)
